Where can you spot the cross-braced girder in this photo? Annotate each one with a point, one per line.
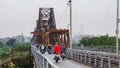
(45, 31)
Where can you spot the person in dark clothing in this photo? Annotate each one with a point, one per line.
(63, 51)
(42, 48)
(63, 48)
(37, 46)
(56, 58)
(49, 49)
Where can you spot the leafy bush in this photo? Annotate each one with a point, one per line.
(11, 42)
(24, 63)
(2, 44)
(4, 50)
(102, 40)
(22, 47)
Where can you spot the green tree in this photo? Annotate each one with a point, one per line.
(101, 40)
(11, 42)
(22, 46)
(2, 44)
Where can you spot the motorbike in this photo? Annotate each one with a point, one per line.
(63, 56)
(49, 51)
(42, 51)
(56, 58)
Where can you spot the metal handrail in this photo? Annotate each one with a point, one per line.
(95, 58)
(41, 60)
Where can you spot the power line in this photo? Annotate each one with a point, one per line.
(62, 15)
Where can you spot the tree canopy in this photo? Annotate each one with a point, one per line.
(2, 44)
(22, 47)
(101, 40)
(11, 42)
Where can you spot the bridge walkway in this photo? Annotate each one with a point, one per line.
(67, 63)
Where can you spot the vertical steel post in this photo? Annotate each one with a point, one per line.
(85, 58)
(95, 59)
(117, 30)
(89, 58)
(70, 2)
(81, 56)
(119, 61)
(101, 64)
(109, 61)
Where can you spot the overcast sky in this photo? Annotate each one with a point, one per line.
(93, 17)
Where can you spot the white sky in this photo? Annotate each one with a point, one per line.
(93, 17)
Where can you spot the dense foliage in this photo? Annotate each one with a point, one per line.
(11, 42)
(101, 40)
(22, 47)
(24, 63)
(5, 48)
(2, 44)
(19, 64)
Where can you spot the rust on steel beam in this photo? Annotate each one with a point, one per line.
(46, 32)
(60, 35)
(36, 33)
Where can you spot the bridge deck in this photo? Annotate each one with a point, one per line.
(64, 63)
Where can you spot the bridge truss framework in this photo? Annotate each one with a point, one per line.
(46, 32)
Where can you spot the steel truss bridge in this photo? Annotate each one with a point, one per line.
(46, 33)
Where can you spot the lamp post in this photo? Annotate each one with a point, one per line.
(117, 26)
(70, 3)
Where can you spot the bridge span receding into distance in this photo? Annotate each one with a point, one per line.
(40, 60)
(78, 59)
(46, 33)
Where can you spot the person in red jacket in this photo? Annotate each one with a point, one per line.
(57, 51)
(57, 48)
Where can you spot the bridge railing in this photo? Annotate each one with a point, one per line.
(95, 59)
(103, 48)
(41, 60)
